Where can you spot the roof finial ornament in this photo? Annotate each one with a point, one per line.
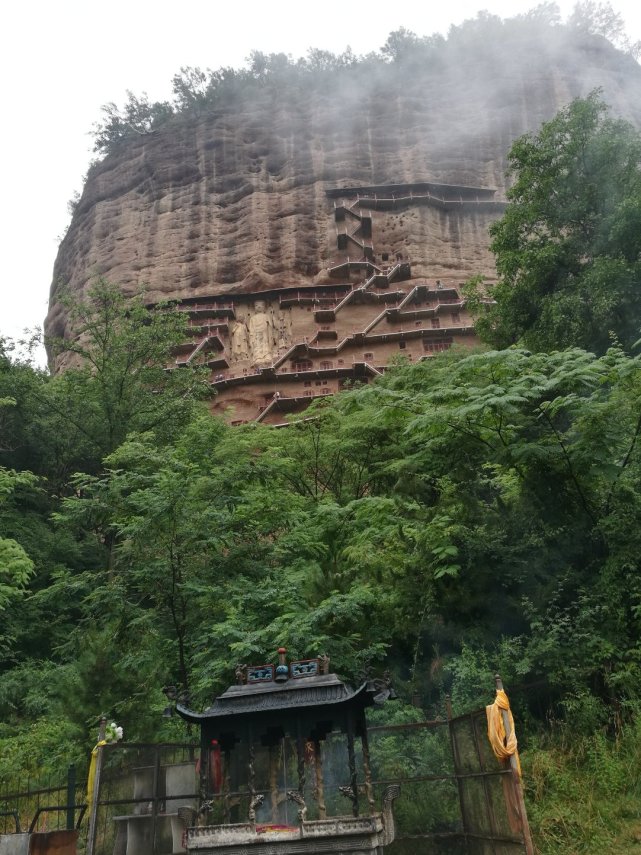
(324, 663)
(241, 674)
(282, 669)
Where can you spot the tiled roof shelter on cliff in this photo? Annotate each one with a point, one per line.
(263, 745)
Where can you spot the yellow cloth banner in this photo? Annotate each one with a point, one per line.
(503, 746)
(91, 779)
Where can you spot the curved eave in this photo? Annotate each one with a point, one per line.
(189, 715)
(358, 698)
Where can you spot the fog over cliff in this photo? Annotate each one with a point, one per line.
(231, 197)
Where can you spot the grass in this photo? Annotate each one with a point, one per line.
(584, 796)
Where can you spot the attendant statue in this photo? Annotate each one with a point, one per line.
(240, 339)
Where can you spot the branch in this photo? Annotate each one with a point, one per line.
(568, 463)
(626, 460)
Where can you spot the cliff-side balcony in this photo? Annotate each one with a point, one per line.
(380, 280)
(220, 310)
(341, 211)
(185, 347)
(396, 315)
(268, 375)
(325, 314)
(416, 332)
(284, 405)
(329, 335)
(343, 239)
(418, 294)
(205, 328)
(349, 266)
(216, 362)
(298, 298)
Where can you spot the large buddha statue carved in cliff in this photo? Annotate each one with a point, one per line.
(261, 333)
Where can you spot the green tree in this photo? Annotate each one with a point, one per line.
(191, 88)
(472, 511)
(568, 248)
(119, 376)
(516, 477)
(16, 568)
(219, 553)
(597, 18)
(138, 117)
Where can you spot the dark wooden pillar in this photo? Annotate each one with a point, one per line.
(300, 758)
(351, 758)
(251, 775)
(320, 787)
(274, 754)
(226, 785)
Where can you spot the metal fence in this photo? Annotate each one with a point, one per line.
(28, 806)
(456, 798)
(492, 810)
(140, 790)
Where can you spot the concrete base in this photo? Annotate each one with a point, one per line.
(356, 836)
(14, 844)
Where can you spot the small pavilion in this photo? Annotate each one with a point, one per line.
(263, 762)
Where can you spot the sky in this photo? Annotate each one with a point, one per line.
(60, 62)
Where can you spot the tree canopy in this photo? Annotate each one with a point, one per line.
(120, 375)
(474, 512)
(485, 497)
(196, 91)
(568, 248)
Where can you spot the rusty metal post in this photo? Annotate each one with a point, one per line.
(155, 796)
(488, 801)
(93, 816)
(251, 774)
(203, 769)
(456, 761)
(516, 779)
(71, 797)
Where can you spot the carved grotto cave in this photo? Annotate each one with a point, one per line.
(270, 357)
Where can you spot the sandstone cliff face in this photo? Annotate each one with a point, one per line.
(235, 201)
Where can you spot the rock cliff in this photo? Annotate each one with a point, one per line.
(241, 200)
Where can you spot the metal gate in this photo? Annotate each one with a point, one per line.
(457, 798)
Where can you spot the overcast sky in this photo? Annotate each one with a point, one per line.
(59, 62)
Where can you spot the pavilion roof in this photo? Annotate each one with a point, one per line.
(305, 693)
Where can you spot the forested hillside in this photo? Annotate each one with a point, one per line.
(470, 513)
(476, 512)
